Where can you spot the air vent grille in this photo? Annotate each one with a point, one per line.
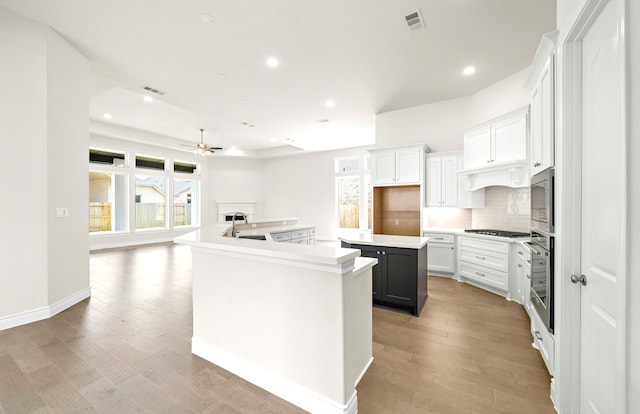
(414, 20)
(152, 90)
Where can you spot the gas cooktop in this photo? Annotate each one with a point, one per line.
(499, 233)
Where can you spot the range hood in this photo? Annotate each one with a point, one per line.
(509, 174)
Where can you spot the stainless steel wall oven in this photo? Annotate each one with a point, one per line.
(542, 201)
(542, 278)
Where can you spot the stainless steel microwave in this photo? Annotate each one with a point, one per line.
(542, 201)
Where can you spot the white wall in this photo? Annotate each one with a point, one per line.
(67, 126)
(236, 179)
(44, 106)
(304, 187)
(438, 125)
(23, 125)
(501, 97)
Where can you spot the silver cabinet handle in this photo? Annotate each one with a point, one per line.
(481, 274)
(480, 257)
(537, 164)
(519, 265)
(451, 247)
(438, 238)
(384, 252)
(528, 276)
(539, 336)
(520, 253)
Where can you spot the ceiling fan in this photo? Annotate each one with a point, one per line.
(202, 148)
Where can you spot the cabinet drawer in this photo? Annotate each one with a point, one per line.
(492, 260)
(440, 238)
(483, 244)
(543, 341)
(284, 236)
(301, 240)
(498, 280)
(295, 234)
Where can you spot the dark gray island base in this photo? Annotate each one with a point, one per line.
(399, 278)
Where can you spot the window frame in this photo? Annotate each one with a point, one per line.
(364, 174)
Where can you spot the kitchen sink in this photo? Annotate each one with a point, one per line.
(252, 236)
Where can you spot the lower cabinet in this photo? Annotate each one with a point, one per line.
(485, 262)
(399, 278)
(441, 253)
(301, 236)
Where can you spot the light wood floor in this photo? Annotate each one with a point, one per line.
(127, 350)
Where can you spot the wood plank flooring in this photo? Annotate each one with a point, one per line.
(127, 350)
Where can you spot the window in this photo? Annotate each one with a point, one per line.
(150, 201)
(107, 202)
(149, 163)
(353, 193)
(185, 199)
(184, 167)
(136, 193)
(97, 156)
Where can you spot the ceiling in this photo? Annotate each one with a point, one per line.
(358, 53)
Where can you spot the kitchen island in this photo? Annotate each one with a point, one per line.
(293, 319)
(400, 277)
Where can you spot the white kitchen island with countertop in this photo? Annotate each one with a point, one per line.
(293, 319)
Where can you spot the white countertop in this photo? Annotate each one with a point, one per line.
(461, 232)
(274, 229)
(211, 238)
(405, 242)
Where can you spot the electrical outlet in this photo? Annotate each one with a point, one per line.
(62, 212)
(397, 222)
(254, 225)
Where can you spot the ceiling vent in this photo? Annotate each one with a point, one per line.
(414, 20)
(152, 90)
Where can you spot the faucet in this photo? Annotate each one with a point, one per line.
(243, 216)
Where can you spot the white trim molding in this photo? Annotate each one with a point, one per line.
(275, 384)
(45, 312)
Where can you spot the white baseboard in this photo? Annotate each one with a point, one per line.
(46, 312)
(282, 387)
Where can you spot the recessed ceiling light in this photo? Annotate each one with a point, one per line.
(147, 98)
(222, 75)
(330, 103)
(468, 71)
(207, 18)
(272, 62)
(107, 116)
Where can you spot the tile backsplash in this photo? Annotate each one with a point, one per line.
(505, 208)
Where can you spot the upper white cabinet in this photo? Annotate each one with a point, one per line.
(443, 188)
(442, 181)
(495, 152)
(498, 141)
(397, 166)
(541, 81)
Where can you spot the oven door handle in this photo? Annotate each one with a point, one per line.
(535, 249)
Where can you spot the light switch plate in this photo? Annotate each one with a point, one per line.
(62, 212)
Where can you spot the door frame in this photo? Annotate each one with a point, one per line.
(568, 226)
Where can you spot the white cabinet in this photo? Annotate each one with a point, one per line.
(498, 141)
(442, 181)
(441, 253)
(543, 341)
(477, 147)
(299, 236)
(443, 186)
(484, 263)
(522, 272)
(397, 166)
(541, 81)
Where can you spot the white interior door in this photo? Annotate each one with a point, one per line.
(602, 315)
